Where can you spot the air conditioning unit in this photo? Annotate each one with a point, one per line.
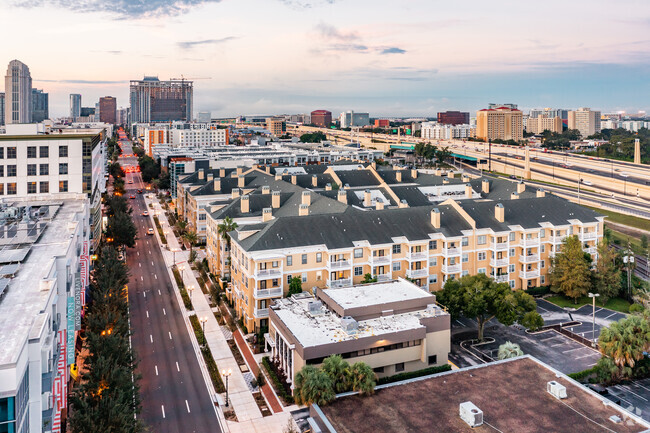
(556, 389)
(471, 414)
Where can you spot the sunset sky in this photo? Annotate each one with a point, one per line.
(390, 58)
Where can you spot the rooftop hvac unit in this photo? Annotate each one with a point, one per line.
(471, 414)
(315, 307)
(349, 325)
(556, 389)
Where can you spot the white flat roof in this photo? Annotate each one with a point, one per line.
(376, 294)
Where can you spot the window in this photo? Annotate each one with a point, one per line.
(511, 253)
(542, 279)
(481, 256)
(11, 188)
(542, 233)
(31, 169)
(289, 277)
(543, 248)
(433, 245)
(433, 261)
(44, 187)
(304, 259)
(512, 284)
(319, 257)
(31, 187)
(11, 153)
(464, 273)
(2, 153)
(511, 268)
(397, 249)
(31, 151)
(63, 168)
(275, 282)
(465, 258)
(11, 170)
(512, 236)
(44, 152)
(433, 359)
(304, 278)
(319, 276)
(44, 169)
(358, 253)
(465, 242)
(275, 264)
(358, 271)
(63, 186)
(481, 240)
(378, 369)
(2, 170)
(63, 151)
(399, 367)
(397, 266)
(542, 264)
(481, 270)
(433, 279)
(289, 260)
(2, 189)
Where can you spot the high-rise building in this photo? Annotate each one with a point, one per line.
(586, 121)
(40, 106)
(2, 108)
(18, 93)
(108, 110)
(321, 118)
(453, 118)
(502, 123)
(153, 100)
(349, 119)
(122, 116)
(75, 106)
(276, 126)
(543, 122)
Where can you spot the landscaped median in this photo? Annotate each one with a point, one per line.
(213, 369)
(181, 288)
(615, 304)
(279, 385)
(163, 239)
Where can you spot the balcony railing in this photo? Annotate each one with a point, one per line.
(339, 264)
(417, 256)
(499, 246)
(497, 263)
(586, 236)
(418, 273)
(267, 293)
(383, 277)
(525, 243)
(529, 258)
(379, 260)
(260, 312)
(559, 239)
(591, 250)
(268, 273)
(451, 269)
(451, 251)
(501, 278)
(527, 275)
(343, 282)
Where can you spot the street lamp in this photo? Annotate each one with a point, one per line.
(628, 259)
(593, 321)
(226, 373)
(182, 269)
(190, 289)
(203, 320)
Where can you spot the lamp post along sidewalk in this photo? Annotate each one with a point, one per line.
(593, 296)
(226, 373)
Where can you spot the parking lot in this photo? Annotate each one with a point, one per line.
(553, 314)
(634, 396)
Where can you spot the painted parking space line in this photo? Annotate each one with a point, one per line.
(572, 350)
(613, 314)
(547, 339)
(587, 355)
(627, 388)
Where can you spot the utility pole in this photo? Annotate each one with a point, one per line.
(628, 259)
(490, 155)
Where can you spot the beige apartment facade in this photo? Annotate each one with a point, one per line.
(537, 125)
(585, 120)
(500, 123)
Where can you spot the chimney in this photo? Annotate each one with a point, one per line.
(314, 180)
(328, 187)
(294, 179)
(342, 196)
(465, 178)
(403, 204)
(468, 191)
(306, 198)
(398, 175)
(201, 174)
(275, 199)
(245, 204)
(278, 176)
(268, 169)
(499, 212)
(235, 193)
(435, 218)
(437, 172)
(303, 210)
(521, 187)
(514, 196)
(241, 181)
(414, 173)
(217, 184)
(485, 186)
(380, 204)
(346, 186)
(540, 193)
(445, 180)
(367, 198)
(267, 214)
(222, 172)
(210, 177)
(266, 189)
(239, 171)
(374, 165)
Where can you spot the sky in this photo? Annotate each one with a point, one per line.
(388, 58)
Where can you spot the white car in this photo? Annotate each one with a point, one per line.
(150, 231)
(586, 182)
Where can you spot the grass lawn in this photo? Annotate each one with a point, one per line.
(622, 239)
(616, 304)
(628, 220)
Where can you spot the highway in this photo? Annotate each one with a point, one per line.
(174, 395)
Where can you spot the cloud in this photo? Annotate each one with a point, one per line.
(188, 45)
(392, 50)
(359, 48)
(81, 81)
(330, 32)
(121, 8)
(305, 4)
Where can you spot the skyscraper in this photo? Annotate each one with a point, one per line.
(2, 108)
(108, 110)
(75, 106)
(153, 100)
(585, 120)
(18, 93)
(40, 106)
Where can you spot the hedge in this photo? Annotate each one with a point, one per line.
(539, 291)
(181, 288)
(163, 239)
(413, 374)
(213, 369)
(277, 383)
(584, 373)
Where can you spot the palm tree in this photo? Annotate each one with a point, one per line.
(226, 226)
(182, 225)
(625, 341)
(316, 387)
(191, 238)
(339, 371)
(362, 378)
(509, 350)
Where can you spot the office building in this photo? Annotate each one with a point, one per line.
(437, 131)
(348, 119)
(322, 118)
(75, 106)
(276, 126)
(453, 118)
(2, 108)
(382, 123)
(45, 263)
(585, 120)
(355, 322)
(108, 110)
(18, 93)
(542, 122)
(153, 100)
(502, 123)
(122, 116)
(87, 111)
(204, 117)
(40, 106)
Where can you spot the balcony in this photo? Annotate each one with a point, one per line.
(379, 260)
(268, 273)
(527, 243)
(498, 263)
(588, 236)
(591, 250)
(499, 246)
(451, 269)
(383, 277)
(419, 273)
(416, 257)
(339, 264)
(559, 239)
(267, 293)
(529, 258)
(260, 313)
(501, 278)
(343, 282)
(527, 275)
(451, 251)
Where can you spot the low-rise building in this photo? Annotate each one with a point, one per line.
(392, 326)
(438, 131)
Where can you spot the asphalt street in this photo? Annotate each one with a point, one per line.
(173, 393)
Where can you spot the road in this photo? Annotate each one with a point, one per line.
(174, 395)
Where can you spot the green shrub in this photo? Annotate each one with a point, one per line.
(279, 386)
(413, 374)
(636, 308)
(163, 239)
(181, 288)
(584, 373)
(538, 291)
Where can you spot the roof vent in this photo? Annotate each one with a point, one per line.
(315, 308)
(349, 325)
(615, 419)
(471, 414)
(556, 389)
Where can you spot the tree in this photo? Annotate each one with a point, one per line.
(121, 229)
(295, 286)
(339, 371)
(368, 278)
(313, 386)
(190, 237)
(226, 226)
(532, 321)
(607, 276)
(570, 273)
(480, 297)
(625, 342)
(509, 350)
(115, 170)
(362, 378)
(164, 180)
(149, 168)
(443, 154)
(644, 242)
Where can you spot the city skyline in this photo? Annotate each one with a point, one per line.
(297, 56)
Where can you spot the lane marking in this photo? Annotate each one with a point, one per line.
(145, 294)
(586, 356)
(155, 276)
(139, 265)
(543, 309)
(156, 367)
(572, 350)
(177, 367)
(558, 344)
(151, 337)
(546, 339)
(613, 314)
(170, 335)
(163, 410)
(151, 263)
(459, 322)
(149, 251)
(164, 312)
(138, 252)
(627, 388)
(187, 405)
(141, 278)
(147, 314)
(159, 292)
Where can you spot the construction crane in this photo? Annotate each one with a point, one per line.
(192, 78)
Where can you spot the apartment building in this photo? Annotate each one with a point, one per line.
(453, 118)
(502, 123)
(541, 123)
(44, 264)
(180, 135)
(392, 326)
(585, 120)
(438, 131)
